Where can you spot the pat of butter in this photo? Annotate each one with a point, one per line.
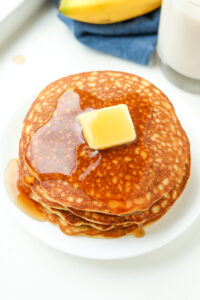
(107, 127)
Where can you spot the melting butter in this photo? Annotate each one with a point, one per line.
(107, 127)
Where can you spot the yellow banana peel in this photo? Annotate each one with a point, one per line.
(106, 11)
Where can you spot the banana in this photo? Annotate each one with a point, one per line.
(106, 11)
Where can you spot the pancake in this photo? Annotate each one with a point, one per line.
(70, 219)
(89, 231)
(106, 193)
(160, 207)
(116, 181)
(66, 216)
(121, 231)
(109, 221)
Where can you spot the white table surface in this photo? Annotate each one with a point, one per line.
(28, 268)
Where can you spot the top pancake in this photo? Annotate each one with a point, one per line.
(117, 180)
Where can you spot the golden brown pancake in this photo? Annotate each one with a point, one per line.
(105, 193)
(89, 231)
(121, 230)
(116, 181)
(160, 207)
(157, 210)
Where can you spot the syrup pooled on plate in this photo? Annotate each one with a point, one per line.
(27, 205)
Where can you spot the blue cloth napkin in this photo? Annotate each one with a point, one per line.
(134, 39)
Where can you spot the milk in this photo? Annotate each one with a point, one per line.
(179, 36)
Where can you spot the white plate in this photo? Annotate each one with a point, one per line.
(175, 222)
(13, 14)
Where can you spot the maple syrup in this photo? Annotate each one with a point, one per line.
(28, 206)
(139, 232)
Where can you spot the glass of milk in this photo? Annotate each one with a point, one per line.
(178, 47)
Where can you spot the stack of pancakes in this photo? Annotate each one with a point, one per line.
(107, 193)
